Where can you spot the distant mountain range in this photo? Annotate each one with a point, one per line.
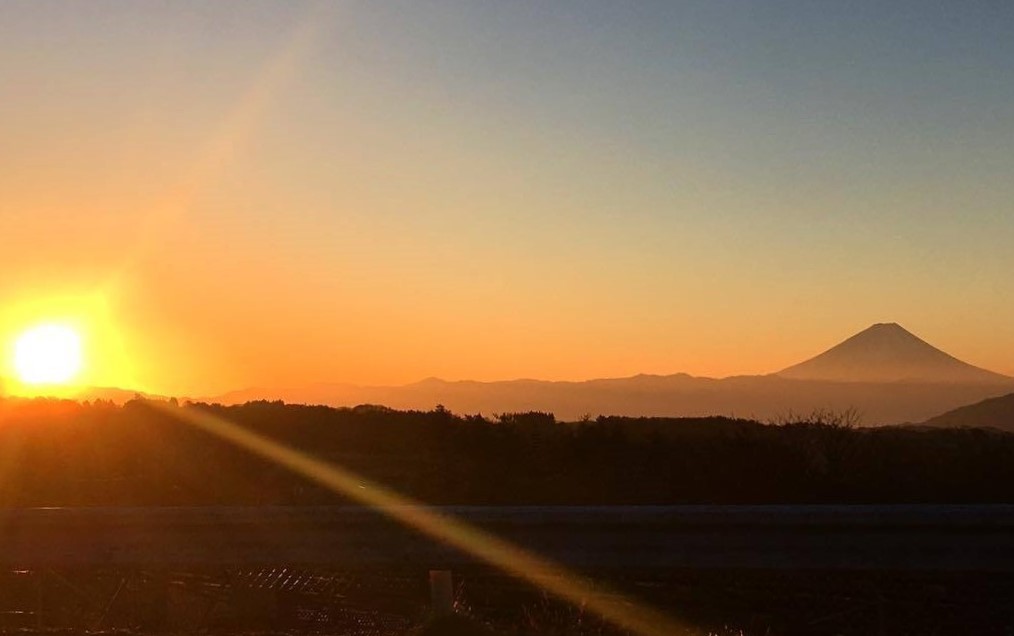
(885, 373)
(93, 393)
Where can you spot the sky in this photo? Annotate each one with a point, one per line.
(222, 195)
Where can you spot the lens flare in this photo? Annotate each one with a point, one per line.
(514, 560)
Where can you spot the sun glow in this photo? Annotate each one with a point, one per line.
(48, 354)
(67, 344)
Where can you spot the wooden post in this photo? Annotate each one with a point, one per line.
(441, 592)
(39, 581)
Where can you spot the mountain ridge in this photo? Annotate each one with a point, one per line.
(911, 381)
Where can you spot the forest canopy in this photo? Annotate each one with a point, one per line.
(64, 453)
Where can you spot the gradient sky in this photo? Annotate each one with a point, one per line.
(274, 193)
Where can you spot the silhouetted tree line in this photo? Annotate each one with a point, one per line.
(99, 454)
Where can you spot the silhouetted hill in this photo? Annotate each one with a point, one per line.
(886, 352)
(992, 413)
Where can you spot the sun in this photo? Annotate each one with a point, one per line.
(48, 354)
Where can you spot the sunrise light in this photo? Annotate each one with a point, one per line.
(48, 354)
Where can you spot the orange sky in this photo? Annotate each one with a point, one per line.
(278, 194)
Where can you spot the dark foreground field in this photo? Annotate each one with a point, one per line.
(721, 569)
(286, 600)
(146, 457)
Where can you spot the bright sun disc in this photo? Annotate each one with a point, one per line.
(47, 354)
